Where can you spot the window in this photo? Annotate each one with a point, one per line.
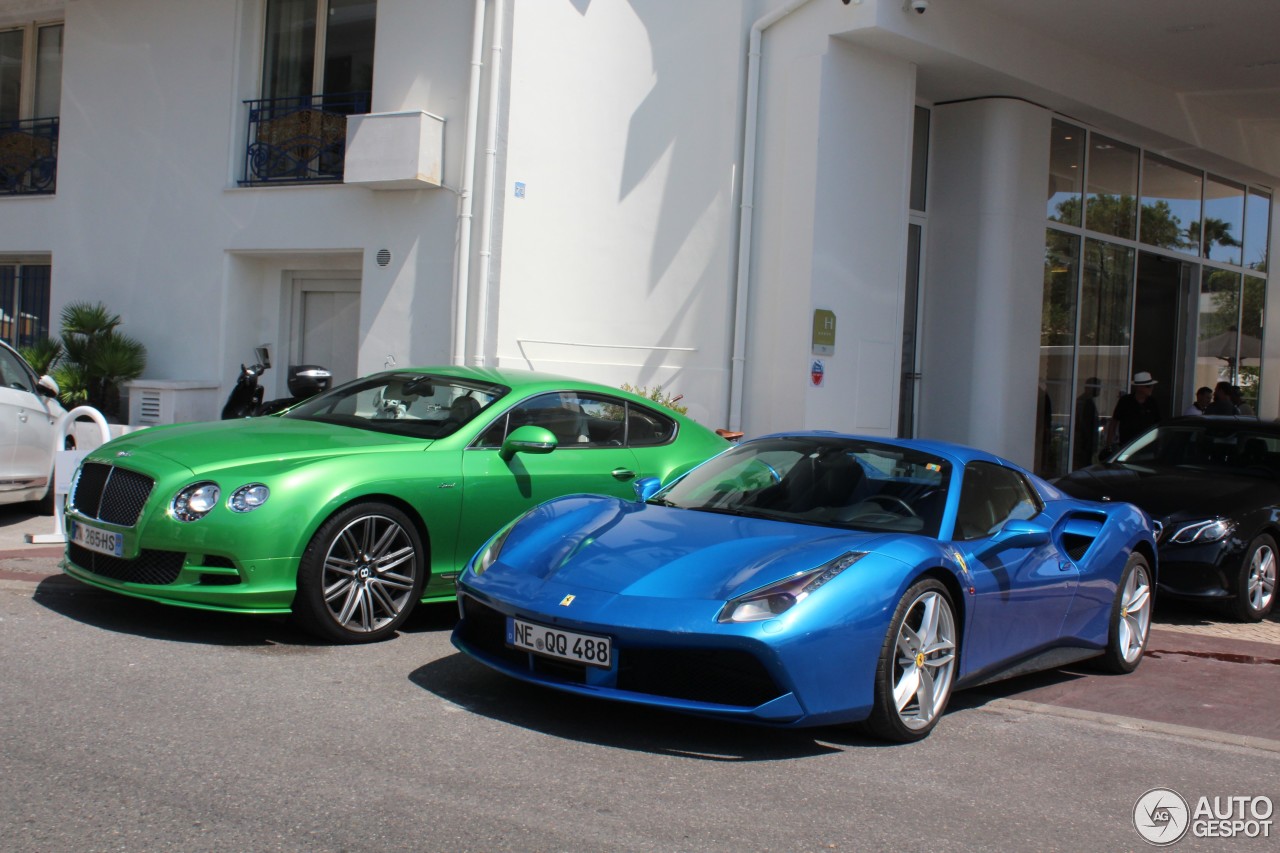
(318, 47)
(24, 303)
(30, 99)
(992, 495)
(584, 420)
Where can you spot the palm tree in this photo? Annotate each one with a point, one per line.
(96, 357)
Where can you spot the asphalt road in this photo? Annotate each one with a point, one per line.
(134, 727)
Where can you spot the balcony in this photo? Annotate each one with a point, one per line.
(29, 156)
(299, 139)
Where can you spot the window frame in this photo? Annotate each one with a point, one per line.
(30, 64)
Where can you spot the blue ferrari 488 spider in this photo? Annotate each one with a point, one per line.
(813, 578)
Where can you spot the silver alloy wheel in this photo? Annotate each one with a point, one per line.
(369, 573)
(925, 660)
(1135, 614)
(1261, 581)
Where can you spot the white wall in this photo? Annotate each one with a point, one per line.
(983, 295)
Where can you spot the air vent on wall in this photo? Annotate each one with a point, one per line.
(383, 257)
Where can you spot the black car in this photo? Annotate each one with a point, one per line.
(1212, 486)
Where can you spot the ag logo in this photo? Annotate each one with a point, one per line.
(1161, 816)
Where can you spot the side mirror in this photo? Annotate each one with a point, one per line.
(528, 439)
(646, 487)
(1020, 534)
(46, 386)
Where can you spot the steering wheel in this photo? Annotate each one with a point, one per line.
(892, 504)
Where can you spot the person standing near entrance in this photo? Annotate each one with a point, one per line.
(1204, 396)
(1221, 404)
(1086, 424)
(1135, 411)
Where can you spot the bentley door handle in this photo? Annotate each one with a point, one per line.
(622, 474)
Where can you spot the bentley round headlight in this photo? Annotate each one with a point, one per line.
(194, 502)
(250, 497)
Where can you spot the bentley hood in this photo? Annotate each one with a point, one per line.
(203, 447)
(643, 550)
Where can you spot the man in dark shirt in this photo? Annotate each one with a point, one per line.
(1221, 404)
(1137, 410)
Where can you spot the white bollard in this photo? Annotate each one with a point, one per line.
(64, 466)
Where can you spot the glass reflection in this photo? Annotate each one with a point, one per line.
(1106, 297)
(1170, 205)
(1112, 203)
(1217, 355)
(1066, 172)
(1257, 225)
(1057, 346)
(1223, 220)
(1252, 313)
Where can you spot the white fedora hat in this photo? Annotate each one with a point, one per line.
(1143, 378)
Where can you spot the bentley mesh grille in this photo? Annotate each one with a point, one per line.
(111, 494)
(149, 567)
(721, 676)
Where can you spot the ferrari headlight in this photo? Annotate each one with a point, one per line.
(247, 498)
(779, 597)
(488, 555)
(194, 502)
(1203, 531)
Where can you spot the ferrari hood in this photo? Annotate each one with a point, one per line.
(1164, 491)
(633, 549)
(205, 446)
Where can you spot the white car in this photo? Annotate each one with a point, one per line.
(29, 432)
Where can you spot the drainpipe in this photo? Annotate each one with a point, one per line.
(462, 269)
(748, 197)
(479, 356)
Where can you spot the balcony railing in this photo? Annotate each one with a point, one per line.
(299, 139)
(29, 156)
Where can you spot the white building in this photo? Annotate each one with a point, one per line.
(673, 192)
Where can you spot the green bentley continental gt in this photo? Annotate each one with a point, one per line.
(351, 507)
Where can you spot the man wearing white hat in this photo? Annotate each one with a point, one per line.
(1135, 411)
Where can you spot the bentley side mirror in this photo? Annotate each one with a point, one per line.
(528, 439)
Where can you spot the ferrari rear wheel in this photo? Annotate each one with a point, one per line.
(1256, 590)
(361, 574)
(917, 665)
(1130, 623)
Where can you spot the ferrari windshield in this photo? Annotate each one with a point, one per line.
(401, 403)
(831, 481)
(1227, 446)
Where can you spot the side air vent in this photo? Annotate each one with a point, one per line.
(1079, 533)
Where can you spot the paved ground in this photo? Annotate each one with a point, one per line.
(1203, 676)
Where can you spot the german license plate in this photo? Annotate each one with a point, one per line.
(102, 541)
(562, 645)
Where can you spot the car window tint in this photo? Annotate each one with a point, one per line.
(582, 420)
(13, 373)
(647, 428)
(990, 496)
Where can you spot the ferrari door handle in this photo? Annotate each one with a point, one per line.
(623, 474)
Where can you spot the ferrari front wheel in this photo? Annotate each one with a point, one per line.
(1256, 586)
(361, 574)
(1130, 622)
(917, 664)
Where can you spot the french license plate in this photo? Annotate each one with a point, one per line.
(562, 645)
(102, 541)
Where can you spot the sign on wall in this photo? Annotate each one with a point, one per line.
(824, 332)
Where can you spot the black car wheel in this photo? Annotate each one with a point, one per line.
(917, 664)
(1256, 583)
(1130, 622)
(361, 574)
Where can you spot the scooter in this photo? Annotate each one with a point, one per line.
(245, 399)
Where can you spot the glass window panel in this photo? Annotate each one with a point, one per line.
(1218, 339)
(1252, 316)
(48, 71)
(288, 67)
(1223, 220)
(348, 53)
(33, 319)
(1066, 173)
(919, 158)
(8, 292)
(10, 74)
(1106, 300)
(1170, 205)
(1257, 226)
(1112, 204)
(1057, 349)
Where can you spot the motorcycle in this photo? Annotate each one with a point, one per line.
(245, 399)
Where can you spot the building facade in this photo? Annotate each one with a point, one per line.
(961, 219)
